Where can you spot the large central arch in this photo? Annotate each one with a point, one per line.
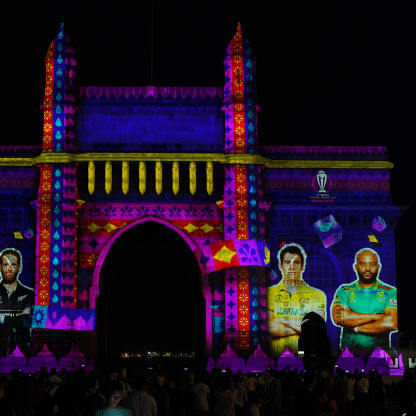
(94, 291)
(106, 250)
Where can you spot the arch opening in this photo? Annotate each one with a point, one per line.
(150, 295)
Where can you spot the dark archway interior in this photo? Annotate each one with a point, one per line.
(150, 295)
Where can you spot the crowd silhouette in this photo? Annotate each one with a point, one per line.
(163, 391)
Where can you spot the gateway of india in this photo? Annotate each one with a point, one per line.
(188, 159)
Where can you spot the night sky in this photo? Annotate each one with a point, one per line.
(326, 75)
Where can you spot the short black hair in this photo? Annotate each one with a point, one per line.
(293, 250)
(112, 387)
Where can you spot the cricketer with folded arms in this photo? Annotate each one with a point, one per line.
(365, 309)
(16, 304)
(290, 300)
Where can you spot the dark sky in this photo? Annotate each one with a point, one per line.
(326, 74)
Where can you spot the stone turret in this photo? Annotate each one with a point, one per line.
(240, 96)
(61, 92)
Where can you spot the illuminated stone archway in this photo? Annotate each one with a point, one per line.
(234, 207)
(206, 292)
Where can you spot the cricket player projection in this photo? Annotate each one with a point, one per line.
(16, 304)
(365, 309)
(290, 300)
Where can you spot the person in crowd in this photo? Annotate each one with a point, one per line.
(161, 394)
(378, 394)
(407, 397)
(362, 386)
(114, 394)
(306, 402)
(94, 398)
(251, 387)
(253, 408)
(224, 397)
(241, 395)
(200, 393)
(350, 396)
(122, 377)
(140, 402)
(314, 393)
(275, 395)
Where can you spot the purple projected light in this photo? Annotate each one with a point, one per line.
(230, 359)
(288, 360)
(347, 361)
(328, 230)
(380, 361)
(259, 361)
(210, 364)
(28, 234)
(379, 224)
(15, 360)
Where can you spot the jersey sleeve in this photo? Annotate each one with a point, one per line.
(340, 297)
(29, 300)
(391, 298)
(321, 304)
(270, 298)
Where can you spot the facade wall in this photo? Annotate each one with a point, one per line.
(235, 209)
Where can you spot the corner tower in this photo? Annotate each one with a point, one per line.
(56, 245)
(240, 100)
(61, 92)
(244, 207)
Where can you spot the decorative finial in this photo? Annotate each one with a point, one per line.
(61, 26)
(239, 28)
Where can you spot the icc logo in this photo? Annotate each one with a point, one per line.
(322, 183)
(321, 179)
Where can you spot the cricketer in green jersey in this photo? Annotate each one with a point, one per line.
(366, 309)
